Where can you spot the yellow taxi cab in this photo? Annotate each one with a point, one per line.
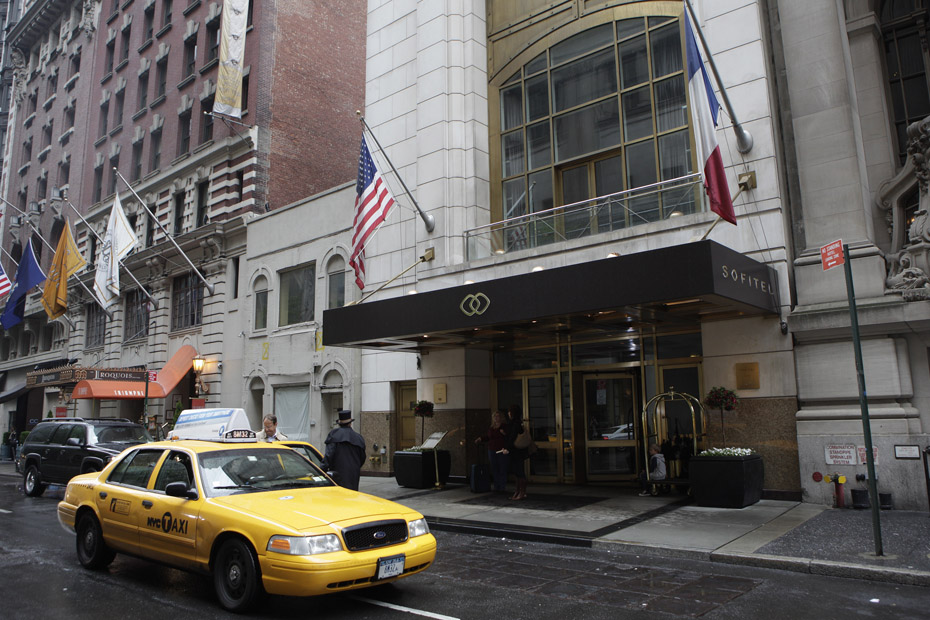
(259, 517)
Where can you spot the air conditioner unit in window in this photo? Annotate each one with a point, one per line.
(17, 220)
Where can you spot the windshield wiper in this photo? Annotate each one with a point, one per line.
(247, 487)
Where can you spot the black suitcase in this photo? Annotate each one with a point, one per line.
(479, 478)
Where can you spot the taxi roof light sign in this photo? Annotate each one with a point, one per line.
(230, 425)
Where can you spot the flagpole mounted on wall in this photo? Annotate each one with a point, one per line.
(49, 246)
(427, 218)
(209, 287)
(743, 137)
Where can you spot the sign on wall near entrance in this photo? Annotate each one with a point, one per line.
(847, 454)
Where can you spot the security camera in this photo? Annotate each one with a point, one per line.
(219, 366)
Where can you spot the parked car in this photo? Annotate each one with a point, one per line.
(59, 449)
(258, 517)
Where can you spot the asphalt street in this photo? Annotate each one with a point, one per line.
(474, 577)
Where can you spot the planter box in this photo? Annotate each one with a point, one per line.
(417, 471)
(726, 481)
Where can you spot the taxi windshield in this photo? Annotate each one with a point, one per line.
(227, 472)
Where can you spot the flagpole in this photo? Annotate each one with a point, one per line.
(162, 228)
(49, 245)
(13, 260)
(743, 137)
(427, 218)
(129, 273)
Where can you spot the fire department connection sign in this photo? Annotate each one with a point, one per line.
(848, 454)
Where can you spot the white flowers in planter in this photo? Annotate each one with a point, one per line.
(727, 452)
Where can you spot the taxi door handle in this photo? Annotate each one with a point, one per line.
(103, 494)
(146, 503)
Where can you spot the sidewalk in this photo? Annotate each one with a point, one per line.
(774, 534)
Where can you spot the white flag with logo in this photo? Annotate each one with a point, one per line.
(118, 242)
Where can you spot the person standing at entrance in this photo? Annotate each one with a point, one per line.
(270, 430)
(345, 452)
(496, 438)
(518, 456)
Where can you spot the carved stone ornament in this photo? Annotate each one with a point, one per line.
(87, 19)
(909, 260)
(19, 74)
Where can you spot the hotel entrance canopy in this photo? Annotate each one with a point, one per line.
(667, 287)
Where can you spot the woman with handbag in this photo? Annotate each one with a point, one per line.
(518, 445)
(498, 454)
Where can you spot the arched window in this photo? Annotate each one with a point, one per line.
(260, 318)
(336, 282)
(599, 112)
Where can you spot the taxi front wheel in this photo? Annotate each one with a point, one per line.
(236, 576)
(92, 551)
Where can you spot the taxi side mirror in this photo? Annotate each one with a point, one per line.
(180, 489)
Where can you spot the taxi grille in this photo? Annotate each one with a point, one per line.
(374, 535)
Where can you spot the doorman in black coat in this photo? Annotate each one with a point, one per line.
(345, 452)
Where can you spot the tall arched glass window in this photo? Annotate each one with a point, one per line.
(260, 318)
(602, 111)
(336, 282)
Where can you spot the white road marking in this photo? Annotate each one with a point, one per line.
(6, 512)
(409, 610)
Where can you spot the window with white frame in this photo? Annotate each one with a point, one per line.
(297, 291)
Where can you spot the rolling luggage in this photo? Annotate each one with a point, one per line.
(479, 474)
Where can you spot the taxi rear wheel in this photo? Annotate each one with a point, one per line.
(92, 551)
(236, 576)
(32, 482)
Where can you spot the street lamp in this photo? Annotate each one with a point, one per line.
(197, 363)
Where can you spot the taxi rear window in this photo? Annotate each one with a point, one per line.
(136, 469)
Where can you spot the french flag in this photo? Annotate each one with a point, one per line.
(704, 111)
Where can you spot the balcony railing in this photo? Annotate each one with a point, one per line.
(650, 203)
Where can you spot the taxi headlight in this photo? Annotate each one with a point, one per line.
(305, 545)
(417, 528)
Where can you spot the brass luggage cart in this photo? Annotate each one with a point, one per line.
(678, 447)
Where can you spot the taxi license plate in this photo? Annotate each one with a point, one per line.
(390, 567)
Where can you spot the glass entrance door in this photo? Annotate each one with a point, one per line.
(610, 405)
(537, 399)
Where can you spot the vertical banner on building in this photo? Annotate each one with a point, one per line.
(228, 99)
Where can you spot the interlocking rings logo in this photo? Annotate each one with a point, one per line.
(475, 304)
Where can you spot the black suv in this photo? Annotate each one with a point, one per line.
(57, 450)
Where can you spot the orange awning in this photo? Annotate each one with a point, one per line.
(116, 390)
(168, 378)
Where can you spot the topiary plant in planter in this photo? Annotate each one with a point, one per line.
(723, 399)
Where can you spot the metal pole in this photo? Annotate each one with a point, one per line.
(426, 257)
(162, 228)
(863, 403)
(49, 246)
(743, 137)
(145, 401)
(129, 273)
(426, 217)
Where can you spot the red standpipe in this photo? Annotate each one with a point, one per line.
(838, 495)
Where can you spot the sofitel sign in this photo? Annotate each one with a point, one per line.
(746, 279)
(476, 304)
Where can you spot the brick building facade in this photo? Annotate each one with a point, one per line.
(125, 84)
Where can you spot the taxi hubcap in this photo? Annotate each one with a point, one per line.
(235, 574)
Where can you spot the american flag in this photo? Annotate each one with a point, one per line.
(5, 284)
(372, 205)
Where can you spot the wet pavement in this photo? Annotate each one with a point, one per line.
(784, 535)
